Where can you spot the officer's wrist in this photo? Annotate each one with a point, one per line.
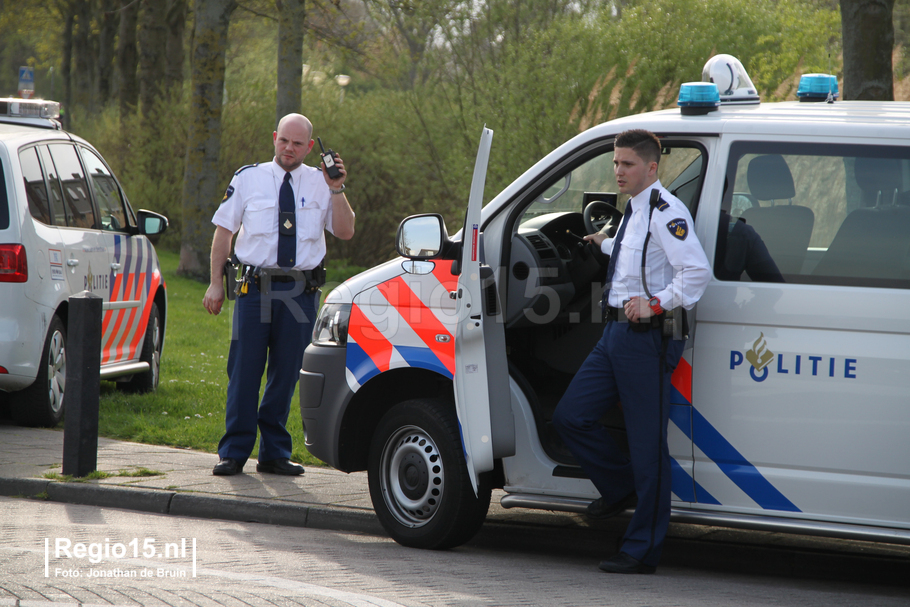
(338, 191)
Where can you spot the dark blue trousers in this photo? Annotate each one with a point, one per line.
(625, 366)
(273, 328)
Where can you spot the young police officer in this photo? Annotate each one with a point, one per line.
(633, 361)
(281, 209)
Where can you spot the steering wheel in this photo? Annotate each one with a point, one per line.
(600, 216)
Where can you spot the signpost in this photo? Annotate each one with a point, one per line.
(26, 82)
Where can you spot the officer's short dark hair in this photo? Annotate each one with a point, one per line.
(642, 142)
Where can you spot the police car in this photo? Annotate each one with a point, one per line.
(439, 371)
(66, 227)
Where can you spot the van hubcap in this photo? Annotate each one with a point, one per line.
(413, 477)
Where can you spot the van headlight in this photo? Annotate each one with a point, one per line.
(331, 328)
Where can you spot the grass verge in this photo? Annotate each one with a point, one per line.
(188, 408)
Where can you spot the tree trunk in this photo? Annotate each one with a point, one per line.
(128, 57)
(201, 187)
(152, 45)
(176, 26)
(291, 16)
(66, 67)
(82, 76)
(107, 33)
(868, 38)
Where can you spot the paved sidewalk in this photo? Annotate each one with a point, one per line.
(321, 498)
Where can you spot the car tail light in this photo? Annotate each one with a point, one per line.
(13, 264)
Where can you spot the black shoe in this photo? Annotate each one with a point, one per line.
(599, 508)
(227, 467)
(623, 563)
(280, 466)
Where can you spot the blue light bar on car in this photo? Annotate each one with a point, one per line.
(698, 98)
(818, 87)
(29, 108)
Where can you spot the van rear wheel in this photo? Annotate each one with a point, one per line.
(418, 477)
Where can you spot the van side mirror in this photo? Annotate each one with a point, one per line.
(151, 223)
(422, 237)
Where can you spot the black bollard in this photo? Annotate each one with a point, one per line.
(83, 384)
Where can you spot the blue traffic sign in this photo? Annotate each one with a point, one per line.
(26, 75)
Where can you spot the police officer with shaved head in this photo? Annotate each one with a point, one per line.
(279, 211)
(657, 270)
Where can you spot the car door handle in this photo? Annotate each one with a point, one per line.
(72, 262)
(115, 267)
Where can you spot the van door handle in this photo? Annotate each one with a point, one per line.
(72, 262)
(115, 267)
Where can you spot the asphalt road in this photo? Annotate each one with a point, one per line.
(147, 559)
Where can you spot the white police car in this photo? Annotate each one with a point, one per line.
(67, 227)
(439, 373)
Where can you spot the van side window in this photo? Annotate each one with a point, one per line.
(35, 188)
(816, 214)
(679, 170)
(107, 192)
(76, 199)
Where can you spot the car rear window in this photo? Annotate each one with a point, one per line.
(4, 202)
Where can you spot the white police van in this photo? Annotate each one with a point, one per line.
(438, 372)
(66, 227)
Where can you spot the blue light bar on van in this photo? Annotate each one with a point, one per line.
(29, 108)
(698, 98)
(818, 87)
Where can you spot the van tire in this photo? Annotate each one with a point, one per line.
(418, 477)
(147, 381)
(41, 404)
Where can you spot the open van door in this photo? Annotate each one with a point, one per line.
(473, 370)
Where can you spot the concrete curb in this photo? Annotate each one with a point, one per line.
(197, 505)
(28, 487)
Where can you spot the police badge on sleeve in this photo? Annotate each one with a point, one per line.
(679, 228)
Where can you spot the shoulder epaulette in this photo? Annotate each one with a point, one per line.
(243, 168)
(657, 201)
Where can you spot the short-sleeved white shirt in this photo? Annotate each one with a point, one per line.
(676, 267)
(250, 205)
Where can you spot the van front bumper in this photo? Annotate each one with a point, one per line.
(324, 397)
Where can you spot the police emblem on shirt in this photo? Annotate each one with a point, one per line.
(679, 228)
(228, 193)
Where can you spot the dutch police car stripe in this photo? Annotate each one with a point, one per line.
(732, 463)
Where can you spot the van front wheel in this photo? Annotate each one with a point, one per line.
(419, 481)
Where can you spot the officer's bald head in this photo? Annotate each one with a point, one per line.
(296, 121)
(293, 141)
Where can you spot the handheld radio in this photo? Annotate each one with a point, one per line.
(329, 159)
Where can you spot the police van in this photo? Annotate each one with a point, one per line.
(66, 227)
(439, 371)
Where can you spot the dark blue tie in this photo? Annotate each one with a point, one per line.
(617, 245)
(287, 225)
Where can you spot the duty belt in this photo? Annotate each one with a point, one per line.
(263, 277)
(619, 315)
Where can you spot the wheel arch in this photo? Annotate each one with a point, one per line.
(374, 399)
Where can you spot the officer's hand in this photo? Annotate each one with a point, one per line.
(597, 238)
(637, 309)
(214, 298)
(335, 184)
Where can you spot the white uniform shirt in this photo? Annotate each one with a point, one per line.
(251, 206)
(676, 268)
